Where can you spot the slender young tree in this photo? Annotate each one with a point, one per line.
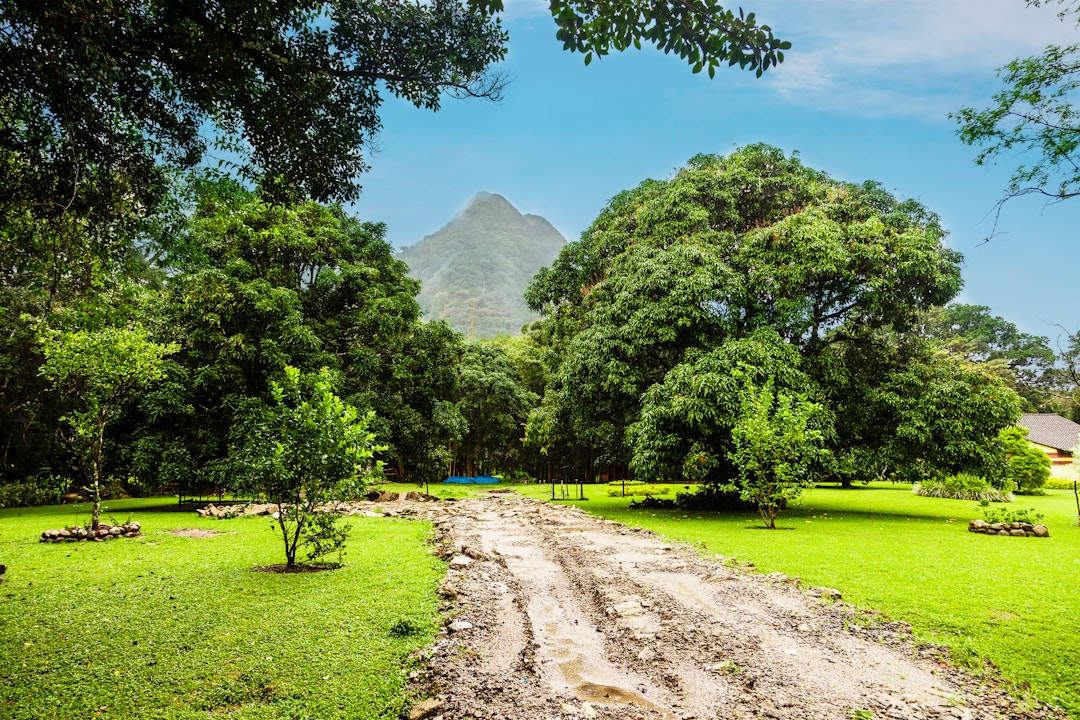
(101, 368)
(304, 451)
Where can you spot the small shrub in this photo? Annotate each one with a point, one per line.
(1027, 467)
(1059, 484)
(406, 628)
(1008, 515)
(711, 497)
(962, 486)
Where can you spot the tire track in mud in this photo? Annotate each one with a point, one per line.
(553, 613)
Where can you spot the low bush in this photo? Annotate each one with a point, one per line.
(1008, 515)
(32, 493)
(962, 486)
(1060, 484)
(711, 497)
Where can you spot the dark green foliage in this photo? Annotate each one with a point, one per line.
(651, 502)
(257, 287)
(701, 32)
(494, 403)
(715, 497)
(686, 419)
(66, 264)
(1025, 361)
(120, 86)
(474, 271)
(751, 263)
(32, 492)
(944, 419)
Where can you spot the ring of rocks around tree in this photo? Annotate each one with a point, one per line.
(1013, 529)
(77, 533)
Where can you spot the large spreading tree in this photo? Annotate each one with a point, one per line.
(754, 266)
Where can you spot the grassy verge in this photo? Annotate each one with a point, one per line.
(175, 627)
(1012, 601)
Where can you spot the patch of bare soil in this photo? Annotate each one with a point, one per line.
(193, 533)
(556, 614)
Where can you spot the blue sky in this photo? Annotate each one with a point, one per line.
(863, 95)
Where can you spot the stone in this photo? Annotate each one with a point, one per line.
(1040, 531)
(425, 709)
(646, 655)
(460, 625)
(588, 711)
(460, 561)
(826, 593)
(628, 608)
(1017, 532)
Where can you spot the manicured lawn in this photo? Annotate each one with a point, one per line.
(1012, 601)
(178, 627)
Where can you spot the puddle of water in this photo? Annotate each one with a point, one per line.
(605, 694)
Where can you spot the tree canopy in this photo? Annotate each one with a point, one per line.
(255, 287)
(288, 94)
(1025, 361)
(749, 265)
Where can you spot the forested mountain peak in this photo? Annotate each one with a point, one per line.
(474, 270)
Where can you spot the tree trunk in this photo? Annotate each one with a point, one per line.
(95, 462)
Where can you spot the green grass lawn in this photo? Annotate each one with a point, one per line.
(1012, 601)
(175, 627)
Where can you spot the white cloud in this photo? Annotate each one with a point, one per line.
(903, 57)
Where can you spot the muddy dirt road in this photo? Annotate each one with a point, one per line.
(555, 614)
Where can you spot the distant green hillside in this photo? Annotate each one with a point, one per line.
(474, 270)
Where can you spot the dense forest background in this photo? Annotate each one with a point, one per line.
(685, 297)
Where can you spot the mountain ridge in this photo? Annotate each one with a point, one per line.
(474, 270)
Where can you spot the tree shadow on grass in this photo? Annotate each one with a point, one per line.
(297, 568)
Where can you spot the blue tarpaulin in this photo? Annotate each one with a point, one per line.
(478, 480)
